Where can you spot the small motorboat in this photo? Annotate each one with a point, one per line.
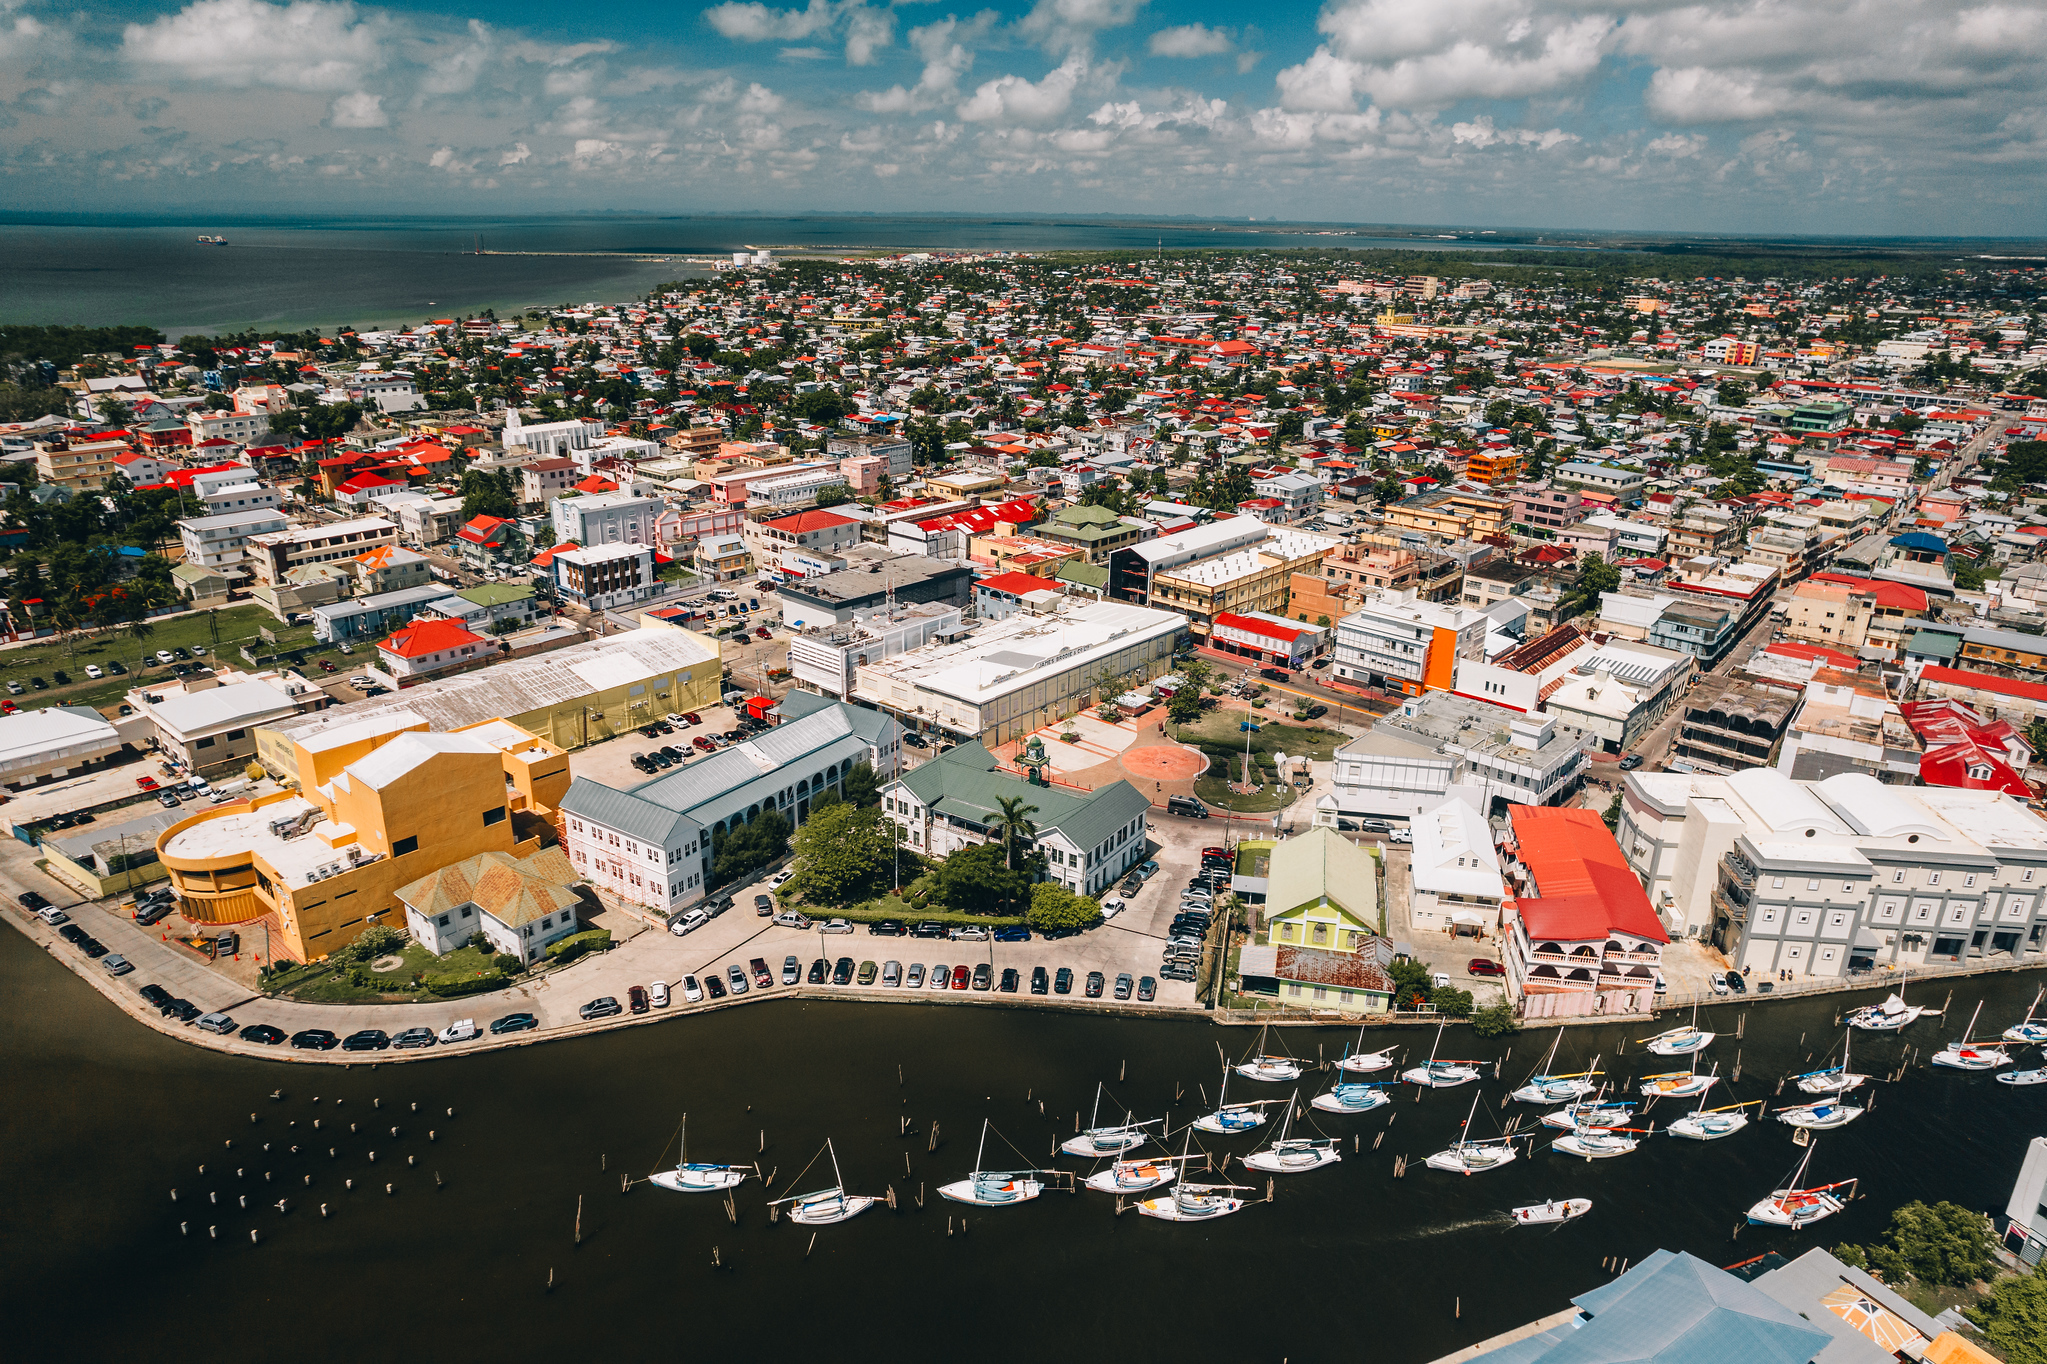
(1677, 1084)
(1711, 1124)
(1293, 1155)
(1468, 1157)
(1795, 1208)
(1266, 1066)
(1821, 1116)
(1352, 1096)
(1967, 1055)
(2024, 1077)
(1195, 1202)
(695, 1176)
(1556, 1210)
(827, 1206)
(2026, 1030)
(994, 1188)
(1599, 1143)
(1891, 1015)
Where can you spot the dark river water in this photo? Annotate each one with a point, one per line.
(102, 1119)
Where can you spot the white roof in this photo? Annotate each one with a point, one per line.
(1453, 852)
(379, 769)
(342, 735)
(28, 734)
(602, 554)
(201, 712)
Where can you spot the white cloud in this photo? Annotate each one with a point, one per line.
(1323, 82)
(1678, 145)
(1480, 132)
(1014, 99)
(866, 29)
(947, 48)
(1062, 25)
(305, 45)
(1435, 55)
(359, 110)
(1191, 40)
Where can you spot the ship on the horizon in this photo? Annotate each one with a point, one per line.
(205, 240)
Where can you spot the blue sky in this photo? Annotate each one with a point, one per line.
(1831, 116)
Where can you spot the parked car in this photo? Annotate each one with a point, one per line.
(1062, 984)
(263, 1034)
(984, 975)
(961, 977)
(116, 965)
(1485, 966)
(968, 933)
(636, 999)
(1009, 980)
(166, 657)
(369, 1039)
(605, 1006)
(167, 799)
(892, 974)
(93, 948)
(842, 971)
(914, 979)
(1147, 870)
(519, 1022)
(1130, 885)
(692, 993)
(461, 1030)
(1013, 933)
(837, 926)
(820, 972)
(941, 976)
(690, 922)
(763, 978)
(315, 1039)
(1111, 906)
(763, 905)
(1124, 985)
(1095, 982)
(914, 740)
(152, 913)
(413, 1038)
(184, 1010)
(1400, 836)
(1040, 980)
(887, 928)
(1631, 762)
(930, 928)
(1317, 711)
(1736, 983)
(868, 972)
(735, 978)
(1147, 989)
(713, 986)
(790, 918)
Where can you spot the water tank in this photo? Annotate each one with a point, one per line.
(763, 258)
(740, 258)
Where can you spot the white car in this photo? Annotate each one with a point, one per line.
(1440, 980)
(1400, 836)
(165, 656)
(197, 786)
(837, 926)
(779, 877)
(675, 719)
(94, 671)
(689, 923)
(692, 992)
(657, 993)
(968, 933)
(461, 1030)
(1111, 907)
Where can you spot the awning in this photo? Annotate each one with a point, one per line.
(1465, 916)
(1866, 941)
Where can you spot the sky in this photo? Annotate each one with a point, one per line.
(1881, 117)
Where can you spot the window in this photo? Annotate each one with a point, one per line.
(235, 734)
(1969, 880)
(1812, 885)
(442, 921)
(492, 816)
(1897, 877)
(1933, 878)
(1776, 883)
(203, 743)
(405, 845)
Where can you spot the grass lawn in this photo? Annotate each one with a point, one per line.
(1217, 733)
(330, 984)
(1215, 791)
(891, 907)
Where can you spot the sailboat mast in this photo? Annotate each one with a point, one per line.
(982, 1148)
(838, 1180)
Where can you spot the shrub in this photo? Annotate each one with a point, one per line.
(479, 942)
(1943, 1245)
(576, 944)
(1495, 1020)
(371, 943)
(1054, 906)
(506, 962)
(464, 983)
(1259, 704)
(1450, 1000)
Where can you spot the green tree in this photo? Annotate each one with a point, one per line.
(978, 880)
(1013, 826)
(487, 492)
(1185, 707)
(834, 495)
(1495, 1020)
(1054, 906)
(1612, 813)
(2014, 1320)
(1941, 1245)
(861, 786)
(845, 854)
(1451, 1001)
(745, 850)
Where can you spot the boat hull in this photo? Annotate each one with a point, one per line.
(1697, 1129)
(1093, 1147)
(1367, 1063)
(844, 1211)
(1169, 1209)
(1456, 1162)
(2029, 1033)
(2023, 1077)
(1974, 1059)
(1440, 1077)
(1875, 1020)
(1277, 1072)
(1545, 1214)
(1555, 1092)
(1594, 1148)
(1688, 1045)
(1251, 1120)
(699, 1179)
(1832, 1084)
(1684, 1089)
(1565, 1120)
(966, 1191)
(1272, 1163)
(1332, 1103)
(1772, 1212)
(1107, 1181)
(1838, 1116)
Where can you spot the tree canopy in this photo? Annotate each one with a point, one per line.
(745, 850)
(1054, 906)
(846, 854)
(977, 880)
(1943, 1244)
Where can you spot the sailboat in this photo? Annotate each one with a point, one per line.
(1820, 1116)
(2026, 1030)
(1353, 1096)
(1590, 1113)
(1891, 1015)
(697, 1178)
(1544, 1088)
(1264, 1066)
(1556, 1210)
(1678, 1084)
(1468, 1157)
(1293, 1155)
(1967, 1055)
(1229, 1117)
(1795, 1207)
(1711, 1124)
(1601, 1143)
(1684, 1041)
(1136, 1176)
(993, 1188)
(1833, 1080)
(1366, 1062)
(1195, 1202)
(1107, 1141)
(1441, 1074)
(826, 1206)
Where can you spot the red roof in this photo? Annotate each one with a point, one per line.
(482, 529)
(1833, 658)
(1962, 677)
(809, 520)
(1585, 888)
(1015, 584)
(1894, 596)
(594, 484)
(429, 637)
(1251, 625)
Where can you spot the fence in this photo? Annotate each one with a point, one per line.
(1883, 978)
(1586, 1003)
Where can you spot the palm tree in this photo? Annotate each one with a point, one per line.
(1013, 823)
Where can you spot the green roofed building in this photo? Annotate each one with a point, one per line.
(1089, 838)
(1097, 530)
(1321, 890)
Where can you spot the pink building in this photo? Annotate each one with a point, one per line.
(1545, 507)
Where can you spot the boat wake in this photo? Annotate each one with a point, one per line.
(1496, 1219)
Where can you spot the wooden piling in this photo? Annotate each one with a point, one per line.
(579, 1219)
(891, 1198)
(1377, 1139)
(906, 1165)
(932, 1144)
(812, 1246)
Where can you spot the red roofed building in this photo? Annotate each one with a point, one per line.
(1267, 639)
(485, 538)
(357, 491)
(2000, 698)
(1964, 749)
(1579, 922)
(430, 646)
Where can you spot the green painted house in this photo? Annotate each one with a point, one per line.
(1322, 891)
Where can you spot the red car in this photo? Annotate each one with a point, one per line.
(636, 999)
(146, 783)
(690, 717)
(327, 665)
(1485, 966)
(1221, 854)
(703, 741)
(960, 977)
(765, 633)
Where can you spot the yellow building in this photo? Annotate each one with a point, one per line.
(1453, 516)
(383, 803)
(1322, 891)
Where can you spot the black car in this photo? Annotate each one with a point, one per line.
(887, 928)
(842, 973)
(184, 1010)
(1631, 762)
(928, 929)
(152, 913)
(1147, 989)
(263, 1033)
(1094, 984)
(1009, 980)
(315, 1039)
(604, 1006)
(913, 740)
(513, 1023)
(713, 986)
(1040, 982)
(72, 933)
(369, 1039)
(660, 759)
(413, 1038)
(1053, 934)
(156, 995)
(1736, 983)
(94, 948)
(1062, 984)
(28, 899)
(819, 971)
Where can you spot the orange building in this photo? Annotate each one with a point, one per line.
(1493, 467)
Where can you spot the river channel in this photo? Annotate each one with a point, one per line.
(102, 1119)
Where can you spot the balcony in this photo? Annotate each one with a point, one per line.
(1723, 903)
(1743, 871)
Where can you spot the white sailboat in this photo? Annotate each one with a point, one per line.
(1097, 1141)
(1265, 1066)
(993, 1188)
(1545, 1088)
(1195, 1202)
(1556, 1210)
(1289, 1155)
(1468, 1157)
(697, 1178)
(1967, 1055)
(1361, 1062)
(827, 1206)
(1601, 1143)
(1833, 1080)
(1711, 1124)
(1891, 1015)
(1137, 1176)
(1685, 1041)
(1229, 1117)
(1352, 1096)
(1820, 1116)
(1435, 1074)
(1794, 1207)
(1594, 1113)
(1676, 1084)
(2026, 1030)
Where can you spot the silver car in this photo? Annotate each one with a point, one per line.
(892, 973)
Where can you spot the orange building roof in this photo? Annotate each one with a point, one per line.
(1585, 888)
